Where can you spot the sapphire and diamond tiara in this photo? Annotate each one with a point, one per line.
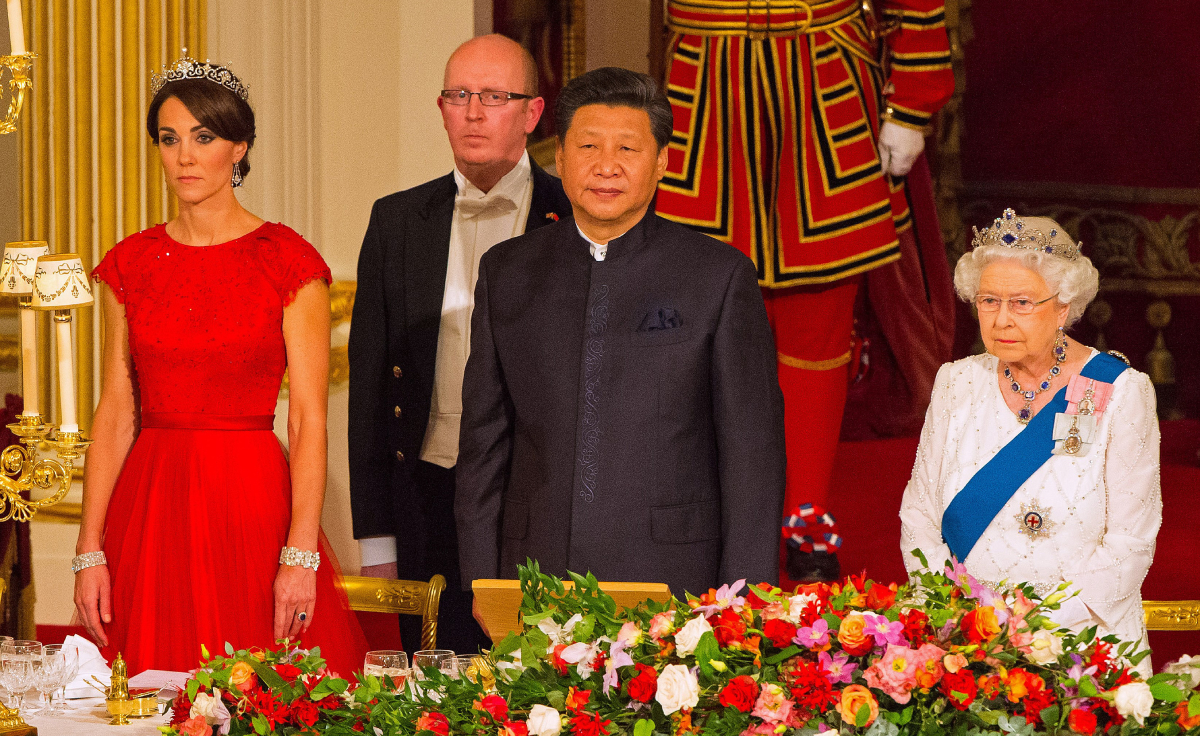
(188, 68)
(1010, 231)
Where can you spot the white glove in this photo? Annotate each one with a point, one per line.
(899, 147)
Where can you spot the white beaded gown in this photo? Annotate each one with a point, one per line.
(1102, 511)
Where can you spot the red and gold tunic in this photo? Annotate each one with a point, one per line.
(777, 107)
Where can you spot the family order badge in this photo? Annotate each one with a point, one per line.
(1035, 520)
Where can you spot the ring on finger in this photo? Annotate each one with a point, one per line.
(302, 616)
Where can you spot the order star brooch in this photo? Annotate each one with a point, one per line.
(1034, 520)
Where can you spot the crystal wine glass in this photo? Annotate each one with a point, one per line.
(441, 660)
(387, 663)
(48, 678)
(70, 670)
(17, 662)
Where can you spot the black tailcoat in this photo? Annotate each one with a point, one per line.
(622, 416)
(393, 350)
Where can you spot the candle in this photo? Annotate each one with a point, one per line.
(66, 374)
(29, 384)
(16, 28)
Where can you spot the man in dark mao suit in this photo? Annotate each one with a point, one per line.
(409, 334)
(621, 412)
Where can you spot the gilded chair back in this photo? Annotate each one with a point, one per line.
(1172, 615)
(413, 597)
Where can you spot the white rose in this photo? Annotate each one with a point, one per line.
(1045, 647)
(207, 706)
(544, 721)
(677, 688)
(1133, 700)
(687, 638)
(1188, 667)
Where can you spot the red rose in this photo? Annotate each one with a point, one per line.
(1082, 721)
(305, 712)
(916, 627)
(728, 627)
(754, 601)
(881, 597)
(495, 706)
(589, 724)
(435, 722)
(959, 688)
(644, 685)
(556, 659)
(514, 728)
(358, 726)
(288, 672)
(740, 693)
(780, 632)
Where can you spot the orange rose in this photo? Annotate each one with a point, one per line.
(196, 726)
(853, 699)
(980, 625)
(852, 635)
(1020, 682)
(1186, 721)
(242, 677)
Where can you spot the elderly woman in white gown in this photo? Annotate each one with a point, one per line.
(1038, 461)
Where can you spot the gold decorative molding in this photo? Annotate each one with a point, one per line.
(1172, 615)
(61, 513)
(1132, 252)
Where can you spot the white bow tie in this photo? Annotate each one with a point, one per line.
(492, 204)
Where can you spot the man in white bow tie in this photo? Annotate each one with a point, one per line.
(410, 333)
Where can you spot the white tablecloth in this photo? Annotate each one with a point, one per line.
(88, 717)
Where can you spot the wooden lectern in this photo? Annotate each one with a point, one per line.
(500, 600)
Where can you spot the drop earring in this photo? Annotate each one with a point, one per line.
(237, 174)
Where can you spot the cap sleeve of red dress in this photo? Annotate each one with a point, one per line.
(109, 271)
(291, 262)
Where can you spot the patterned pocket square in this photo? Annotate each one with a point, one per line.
(663, 318)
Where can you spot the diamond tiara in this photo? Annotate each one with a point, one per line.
(1010, 231)
(188, 68)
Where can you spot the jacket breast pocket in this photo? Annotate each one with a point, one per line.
(686, 523)
(515, 524)
(672, 336)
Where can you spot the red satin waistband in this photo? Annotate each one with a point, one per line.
(197, 420)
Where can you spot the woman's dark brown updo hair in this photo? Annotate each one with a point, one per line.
(216, 108)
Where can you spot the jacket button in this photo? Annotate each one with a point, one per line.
(397, 410)
(399, 456)
(396, 371)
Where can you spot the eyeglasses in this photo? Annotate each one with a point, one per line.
(1017, 305)
(488, 97)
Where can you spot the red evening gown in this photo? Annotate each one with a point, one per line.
(202, 505)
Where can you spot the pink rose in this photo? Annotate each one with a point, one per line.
(662, 624)
(195, 726)
(630, 635)
(773, 705)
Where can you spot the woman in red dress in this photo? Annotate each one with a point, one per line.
(197, 529)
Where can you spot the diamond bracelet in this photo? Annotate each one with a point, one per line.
(295, 557)
(86, 560)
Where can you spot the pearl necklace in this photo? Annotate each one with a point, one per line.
(1060, 355)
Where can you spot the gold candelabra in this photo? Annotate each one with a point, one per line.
(22, 472)
(18, 65)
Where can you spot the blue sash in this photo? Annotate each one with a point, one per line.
(969, 514)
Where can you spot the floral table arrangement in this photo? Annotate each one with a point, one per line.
(940, 655)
